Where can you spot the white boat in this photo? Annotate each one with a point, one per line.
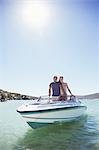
(47, 111)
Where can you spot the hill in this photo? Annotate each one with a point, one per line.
(5, 95)
(89, 96)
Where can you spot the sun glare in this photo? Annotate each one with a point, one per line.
(35, 15)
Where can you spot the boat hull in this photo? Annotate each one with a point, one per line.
(40, 118)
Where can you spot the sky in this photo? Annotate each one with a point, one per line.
(43, 38)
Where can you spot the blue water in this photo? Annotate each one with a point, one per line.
(81, 134)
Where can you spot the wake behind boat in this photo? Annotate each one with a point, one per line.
(45, 111)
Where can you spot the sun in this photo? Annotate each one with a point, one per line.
(35, 15)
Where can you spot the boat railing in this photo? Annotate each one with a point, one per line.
(47, 98)
(57, 98)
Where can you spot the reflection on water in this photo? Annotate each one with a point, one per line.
(73, 135)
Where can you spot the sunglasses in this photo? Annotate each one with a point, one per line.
(61, 77)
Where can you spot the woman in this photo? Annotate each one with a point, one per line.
(63, 88)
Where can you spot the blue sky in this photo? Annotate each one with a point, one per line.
(43, 38)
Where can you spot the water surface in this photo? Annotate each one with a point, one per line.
(81, 134)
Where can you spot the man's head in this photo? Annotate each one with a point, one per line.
(55, 78)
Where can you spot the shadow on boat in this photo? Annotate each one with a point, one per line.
(72, 135)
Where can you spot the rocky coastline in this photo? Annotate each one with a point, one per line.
(5, 95)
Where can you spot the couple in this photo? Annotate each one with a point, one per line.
(59, 88)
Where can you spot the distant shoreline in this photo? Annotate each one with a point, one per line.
(5, 95)
(89, 96)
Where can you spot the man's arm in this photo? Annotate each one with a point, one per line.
(50, 90)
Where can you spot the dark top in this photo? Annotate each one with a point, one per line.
(55, 88)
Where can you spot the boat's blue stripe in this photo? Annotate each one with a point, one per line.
(51, 110)
(37, 124)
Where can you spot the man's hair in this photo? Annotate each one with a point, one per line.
(55, 77)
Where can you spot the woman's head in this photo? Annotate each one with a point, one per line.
(61, 78)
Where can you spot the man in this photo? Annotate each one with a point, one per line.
(64, 87)
(54, 87)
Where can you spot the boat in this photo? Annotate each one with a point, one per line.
(44, 111)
